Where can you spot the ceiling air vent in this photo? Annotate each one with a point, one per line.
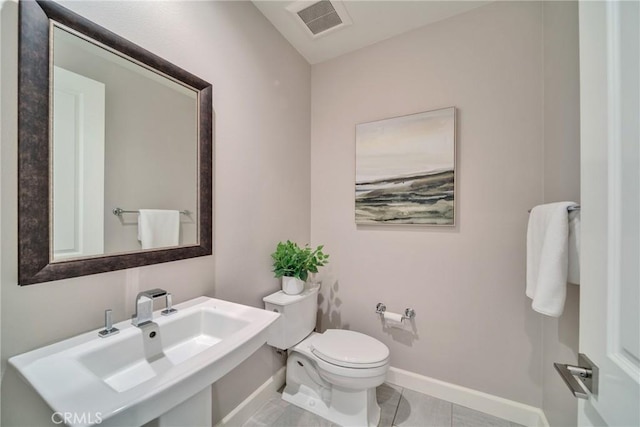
(318, 18)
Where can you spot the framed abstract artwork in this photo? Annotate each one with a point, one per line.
(405, 169)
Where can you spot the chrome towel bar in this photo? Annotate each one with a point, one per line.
(120, 211)
(569, 208)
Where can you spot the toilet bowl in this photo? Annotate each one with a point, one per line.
(332, 374)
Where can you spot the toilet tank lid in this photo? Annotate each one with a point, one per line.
(350, 349)
(280, 298)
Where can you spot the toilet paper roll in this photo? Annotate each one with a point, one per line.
(393, 320)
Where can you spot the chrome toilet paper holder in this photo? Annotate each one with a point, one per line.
(409, 313)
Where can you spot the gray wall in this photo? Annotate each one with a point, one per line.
(262, 126)
(561, 182)
(474, 326)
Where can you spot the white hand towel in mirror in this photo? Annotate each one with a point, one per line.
(547, 257)
(158, 228)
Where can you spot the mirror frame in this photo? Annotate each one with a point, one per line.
(34, 132)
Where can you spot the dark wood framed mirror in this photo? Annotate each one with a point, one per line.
(45, 26)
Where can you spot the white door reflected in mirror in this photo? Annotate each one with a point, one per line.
(78, 166)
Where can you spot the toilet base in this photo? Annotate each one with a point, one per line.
(305, 389)
(340, 408)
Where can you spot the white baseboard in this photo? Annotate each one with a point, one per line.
(497, 406)
(516, 412)
(251, 404)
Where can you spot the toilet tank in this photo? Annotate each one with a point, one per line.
(297, 316)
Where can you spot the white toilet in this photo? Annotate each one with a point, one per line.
(333, 374)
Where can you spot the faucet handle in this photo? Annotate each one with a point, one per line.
(108, 325)
(169, 310)
(108, 322)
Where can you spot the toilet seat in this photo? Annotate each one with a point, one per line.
(350, 349)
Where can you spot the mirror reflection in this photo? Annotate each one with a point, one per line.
(124, 137)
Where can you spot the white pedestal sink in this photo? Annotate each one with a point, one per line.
(138, 375)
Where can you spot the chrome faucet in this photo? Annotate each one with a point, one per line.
(144, 306)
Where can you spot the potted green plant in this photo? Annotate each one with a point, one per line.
(293, 264)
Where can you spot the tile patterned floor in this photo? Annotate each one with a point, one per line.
(400, 408)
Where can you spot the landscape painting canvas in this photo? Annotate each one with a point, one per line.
(405, 169)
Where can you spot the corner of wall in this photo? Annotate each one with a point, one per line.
(561, 182)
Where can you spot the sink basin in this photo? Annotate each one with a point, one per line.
(137, 375)
(129, 361)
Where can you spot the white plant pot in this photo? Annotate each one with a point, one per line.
(292, 285)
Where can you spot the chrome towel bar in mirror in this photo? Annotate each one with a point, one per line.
(120, 211)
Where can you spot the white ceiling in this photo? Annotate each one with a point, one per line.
(373, 21)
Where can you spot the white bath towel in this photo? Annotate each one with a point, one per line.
(158, 228)
(547, 257)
